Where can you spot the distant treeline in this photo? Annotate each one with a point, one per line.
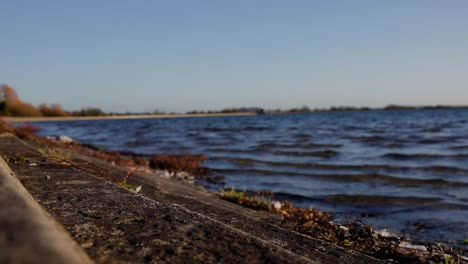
(306, 109)
(11, 105)
(230, 111)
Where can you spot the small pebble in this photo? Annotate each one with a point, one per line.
(87, 244)
(138, 189)
(344, 228)
(47, 177)
(277, 205)
(65, 139)
(387, 233)
(408, 245)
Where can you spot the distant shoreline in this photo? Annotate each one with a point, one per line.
(11, 119)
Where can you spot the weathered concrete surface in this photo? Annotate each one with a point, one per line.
(170, 223)
(27, 233)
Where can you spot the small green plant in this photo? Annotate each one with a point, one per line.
(232, 194)
(60, 156)
(448, 259)
(261, 200)
(16, 159)
(124, 184)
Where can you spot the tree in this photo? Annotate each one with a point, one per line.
(52, 110)
(90, 111)
(7, 93)
(11, 105)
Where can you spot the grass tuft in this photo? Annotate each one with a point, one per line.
(16, 159)
(261, 200)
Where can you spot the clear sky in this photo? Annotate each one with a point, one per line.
(175, 55)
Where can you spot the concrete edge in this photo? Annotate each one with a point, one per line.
(28, 234)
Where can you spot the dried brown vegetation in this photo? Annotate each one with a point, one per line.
(176, 163)
(28, 128)
(25, 131)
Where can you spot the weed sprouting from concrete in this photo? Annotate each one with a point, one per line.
(16, 159)
(124, 184)
(54, 154)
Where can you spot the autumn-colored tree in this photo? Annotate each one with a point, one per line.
(11, 105)
(7, 93)
(52, 110)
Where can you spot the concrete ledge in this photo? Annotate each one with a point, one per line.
(27, 233)
(167, 222)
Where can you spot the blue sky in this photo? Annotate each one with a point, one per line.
(185, 55)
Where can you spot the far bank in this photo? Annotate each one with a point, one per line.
(110, 117)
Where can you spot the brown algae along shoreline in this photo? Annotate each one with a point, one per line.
(315, 223)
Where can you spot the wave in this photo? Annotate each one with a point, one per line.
(421, 203)
(271, 145)
(219, 129)
(460, 147)
(320, 154)
(388, 179)
(340, 167)
(432, 130)
(137, 143)
(302, 136)
(382, 200)
(379, 200)
(394, 145)
(402, 156)
(256, 128)
(231, 150)
(414, 203)
(369, 139)
(440, 140)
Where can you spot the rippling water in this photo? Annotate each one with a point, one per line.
(403, 170)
